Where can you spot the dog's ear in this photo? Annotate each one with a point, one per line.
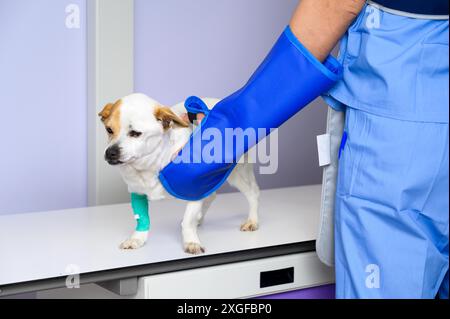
(108, 109)
(106, 112)
(166, 116)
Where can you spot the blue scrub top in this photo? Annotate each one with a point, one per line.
(394, 66)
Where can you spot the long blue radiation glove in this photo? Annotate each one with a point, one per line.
(289, 78)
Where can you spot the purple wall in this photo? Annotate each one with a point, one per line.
(211, 48)
(43, 161)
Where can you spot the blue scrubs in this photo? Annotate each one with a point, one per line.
(392, 204)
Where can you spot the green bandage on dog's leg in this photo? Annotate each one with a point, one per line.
(139, 203)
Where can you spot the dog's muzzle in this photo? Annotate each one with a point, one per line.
(112, 155)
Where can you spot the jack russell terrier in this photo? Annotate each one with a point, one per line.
(144, 137)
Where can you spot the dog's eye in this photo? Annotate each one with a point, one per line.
(109, 130)
(134, 134)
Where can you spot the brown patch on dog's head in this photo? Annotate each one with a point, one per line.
(167, 117)
(110, 116)
(106, 112)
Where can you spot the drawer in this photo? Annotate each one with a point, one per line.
(239, 280)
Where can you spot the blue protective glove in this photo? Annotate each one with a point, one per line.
(289, 78)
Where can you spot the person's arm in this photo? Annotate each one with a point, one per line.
(319, 24)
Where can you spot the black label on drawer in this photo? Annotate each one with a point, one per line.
(276, 277)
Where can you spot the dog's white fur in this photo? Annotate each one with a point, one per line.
(143, 158)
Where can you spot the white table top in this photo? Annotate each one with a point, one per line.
(41, 245)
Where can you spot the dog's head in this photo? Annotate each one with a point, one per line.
(136, 125)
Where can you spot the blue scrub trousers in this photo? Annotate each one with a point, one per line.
(392, 208)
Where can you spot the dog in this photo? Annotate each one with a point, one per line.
(145, 136)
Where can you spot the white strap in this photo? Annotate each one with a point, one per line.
(323, 147)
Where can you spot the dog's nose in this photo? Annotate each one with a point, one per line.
(112, 153)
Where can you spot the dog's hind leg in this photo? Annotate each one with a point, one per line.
(206, 204)
(243, 178)
(192, 216)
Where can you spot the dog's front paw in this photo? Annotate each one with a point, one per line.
(193, 248)
(136, 240)
(249, 225)
(132, 243)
